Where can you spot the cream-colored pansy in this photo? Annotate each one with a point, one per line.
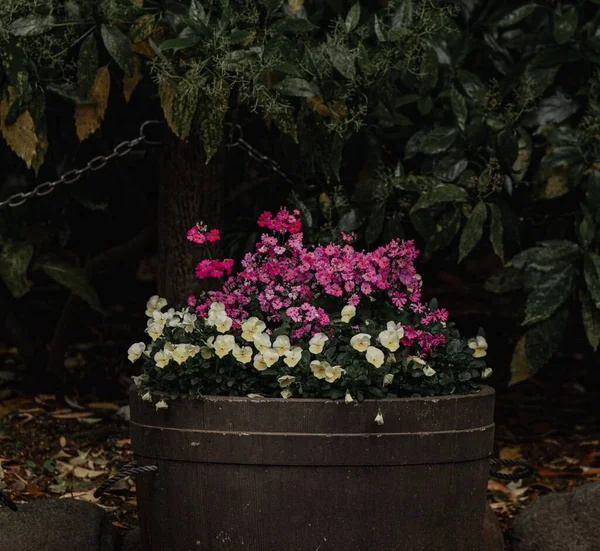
(285, 381)
(135, 351)
(155, 330)
(428, 371)
(252, 327)
(224, 345)
(486, 372)
(262, 342)
(147, 397)
(360, 342)
(259, 362)
(375, 356)
(293, 356)
(348, 312)
(389, 340)
(270, 356)
(189, 322)
(242, 354)
(348, 397)
(479, 346)
(286, 393)
(223, 323)
(192, 349)
(162, 358)
(155, 303)
(181, 353)
(216, 310)
(317, 342)
(416, 362)
(388, 379)
(318, 368)
(282, 344)
(163, 317)
(161, 405)
(379, 418)
(397, 327)
(333, 373)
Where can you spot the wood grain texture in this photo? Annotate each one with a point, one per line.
(337, 482)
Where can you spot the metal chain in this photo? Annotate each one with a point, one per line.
(236, 137)
(128, 470)
(72, 176)
(525, 469)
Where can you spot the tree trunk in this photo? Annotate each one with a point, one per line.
(191, 191)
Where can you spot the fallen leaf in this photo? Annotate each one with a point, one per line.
(62, 441)
(496, 486)
(73, 403)
(590, 471)
(73, 415)
(89, 118)
(103, 405)
(20, 136)
(33, 490)
(82, 472)
(551, 473)
(91, 420)
(511, 453)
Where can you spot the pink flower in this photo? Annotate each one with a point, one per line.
(213, 235)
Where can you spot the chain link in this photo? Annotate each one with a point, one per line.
(97, 163)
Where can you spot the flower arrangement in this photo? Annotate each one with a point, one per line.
(325, 321)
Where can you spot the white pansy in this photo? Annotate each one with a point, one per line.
(135, 351)
(428, 371)
(375, 356)
(242, 354)
(252, 327)
(388, 379)
(163, 317)
(162, 358)
(262, 342)
(348, 397)
(293, 356)
(479, 346)
(161, 405)
(155, 303)
(181, 353)
(217, 307)
(192, 349)
(360, 342)
(147, 397)
(416, 362)
(348, 312)
(397, 327)
(282, 344)
(224, 345)
(259, 362)
(390, 340)
(379, 418)
(270, 356)
(333, 373)
(155, 330)
(223, 323)
(189, 322)
(316, 344)
(215, 312)
(286, 393)
(285, 380)
(486, 372)
(318, 368)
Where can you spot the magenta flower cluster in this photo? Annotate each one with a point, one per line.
(284, 278)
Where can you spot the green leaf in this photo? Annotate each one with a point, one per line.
(546, 256)
(87, 63)
(549, 295)
(591, 319)
(562, 156)
(505, 281)
(438, 140)
(459, 107)
(32, 25)
(472, 231)
(74, 279)
(403, 16)
(378, 29)
(496, 231)
(119, 48)
(471, 84)
(591, 273)
(428, 73)
(293, 25)
(353, 17)
(587, 228)
(342, 60)
(298, 87)
(508, 146)
(440, 193)
(450, 168)
(197, 13)
(350, 221)
(14, 264)
(446, 229)
(375, 224)
(565, 24)
(517, 15)
(177, 44)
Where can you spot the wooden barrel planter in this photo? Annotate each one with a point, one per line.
(307, 475)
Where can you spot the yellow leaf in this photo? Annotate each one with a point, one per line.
(316, 103)
(519, 370)
(557, 184)
(138, 3)
(325, 204)
(142, 28)
(20, 136)
(88, 118)
(295, 5)
(82, 472)
(166, 92)
(130, 83)
(511, 453)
